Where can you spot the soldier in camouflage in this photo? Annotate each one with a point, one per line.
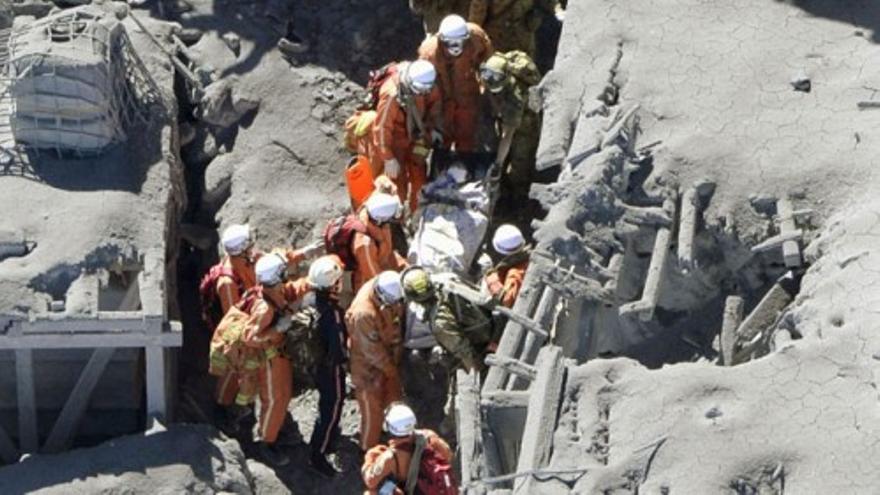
(433, 11)
(507, 78)
(511, 24)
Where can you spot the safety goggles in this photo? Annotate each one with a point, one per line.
(491, 78)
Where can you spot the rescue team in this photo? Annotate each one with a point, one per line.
(259, 320)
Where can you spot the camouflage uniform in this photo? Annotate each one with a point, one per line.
(511, 24)
(463, 328)
(433, 11)
(510, 108)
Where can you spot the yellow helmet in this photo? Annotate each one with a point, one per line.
(417, 285)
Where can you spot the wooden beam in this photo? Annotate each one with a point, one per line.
(761, 319)
(514, 366)
(28, 437)
(90, 340)
(778, 240)
(791, 250)
(545, 314)
(468, 419)
(61, 436)
(687, 229)
(157, 386)
(542, 415)
(512, 337)
(106, 321)
(733, 315)
(505, 399)
(8, 452)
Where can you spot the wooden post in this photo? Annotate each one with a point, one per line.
(687, 229)
(791, 250)
(733, 315)
(27, 404)
(157, 401)
(467, 408)
(65, 427)
(543, 412)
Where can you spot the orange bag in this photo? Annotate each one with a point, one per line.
(359, 180)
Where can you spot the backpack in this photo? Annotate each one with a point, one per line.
(227, 349)
(522, 67)
(303, 344)
(338, 235)
(434, 476)
(211, 310)
(377, 78)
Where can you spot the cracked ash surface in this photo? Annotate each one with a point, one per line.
(714, 85)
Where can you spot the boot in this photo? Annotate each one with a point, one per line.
(272, 454)
(320, 464)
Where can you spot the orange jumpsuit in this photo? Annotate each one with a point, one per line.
(376, 347)
(505, 283)
(230, 294)
(459, 85)
(395, 135)
(392, 460)
(374, 251)
(276, 377)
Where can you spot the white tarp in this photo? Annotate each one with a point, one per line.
(452, 223)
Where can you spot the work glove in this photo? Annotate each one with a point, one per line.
(559, 12)
(392, 168)
(313, 249)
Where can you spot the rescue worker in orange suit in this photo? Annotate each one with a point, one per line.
(376, 347)
(456, 52)
(373, 250)
(504, 280)
(407, 116)
(386, 467)
(325, 277)
(240, 259)
(265, 330)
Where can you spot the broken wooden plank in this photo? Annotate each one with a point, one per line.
(28, 437)
(687, 229)
(505, 398)
(468, 421)
(542, 415)
(764, 316)
(791, 249)
(545, 316)
(733, 315)
(62, 434)
(777, 241)
(645, 306)
(513, 366)
(511, 338)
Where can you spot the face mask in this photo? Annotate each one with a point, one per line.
(454, 47)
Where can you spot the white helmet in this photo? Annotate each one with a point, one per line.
(236, 239)
(507, 239)
(325, 272)
(420, 76)
(453, 33)
(382, 207)
(400, 420)
(271, 269)
(458, 172)
(388, 288)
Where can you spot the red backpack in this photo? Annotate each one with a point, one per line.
(211, 310)
(435, 475)
(338, 235)
(374, 84)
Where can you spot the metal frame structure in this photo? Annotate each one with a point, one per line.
(148, 329)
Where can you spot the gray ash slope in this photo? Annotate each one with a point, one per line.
(713, 83)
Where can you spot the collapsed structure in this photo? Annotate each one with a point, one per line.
(88, 283)
(685, 228)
